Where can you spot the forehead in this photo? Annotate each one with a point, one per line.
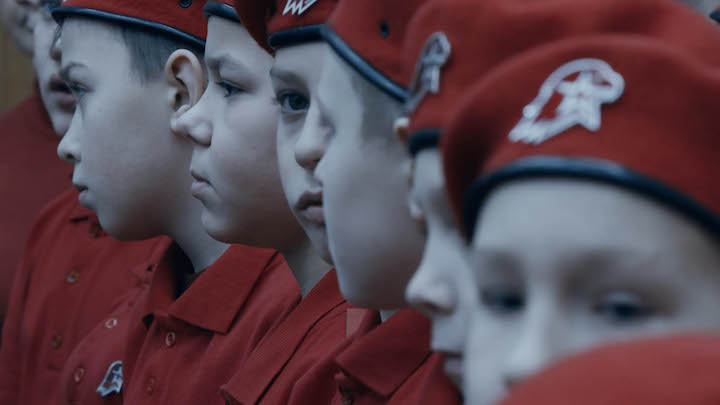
(299, 62)
(85, 40)
(225, 36)
(568, 214)
(428, 176)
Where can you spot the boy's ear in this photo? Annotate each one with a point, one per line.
(186, 77)
(400, 127)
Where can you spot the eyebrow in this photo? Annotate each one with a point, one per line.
(287, 76)
(65, 71)
(214, 63)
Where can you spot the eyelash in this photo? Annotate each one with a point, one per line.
(77, 90)
(283, 98)
(229, 89)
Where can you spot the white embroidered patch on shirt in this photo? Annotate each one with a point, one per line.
(113, 381)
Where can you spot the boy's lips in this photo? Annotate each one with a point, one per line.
(200, 185)
(310, 206)
(453, 366)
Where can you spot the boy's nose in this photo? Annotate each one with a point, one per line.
(428, 292)
(69, 149)
(312, 142)
(193, 125)
(539, 343)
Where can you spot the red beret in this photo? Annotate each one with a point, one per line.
(452, 43)
(279, 23)
(221, 8)
(628, 103)
(369, 36)
(672, 370)
(182, 19)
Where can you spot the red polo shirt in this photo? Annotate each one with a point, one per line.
(383, 363)
(180, 350)
(31, 175)
(72, 274)
(289, 351)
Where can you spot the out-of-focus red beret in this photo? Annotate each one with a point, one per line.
(673, 370)
(452, 44)
(629, 100)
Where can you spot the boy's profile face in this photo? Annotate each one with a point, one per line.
(56, 96)
(234, 162)
(563, 265)
(302, 136)
(127, 165)
(443, 281)
(374, 242)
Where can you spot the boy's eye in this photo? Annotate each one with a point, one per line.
(228, 88)
(621, 307)
(291, 103)
(503, 301)
(77, 90)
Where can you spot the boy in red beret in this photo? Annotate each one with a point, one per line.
(234, 122)
(560, 124)
(205, 305)
(61, 289)
(279, 367)
(389, 361)
(32, 175)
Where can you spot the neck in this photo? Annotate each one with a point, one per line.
(190, 235)
(307, 267)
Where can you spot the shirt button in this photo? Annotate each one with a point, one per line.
(56, 341)
(73, 276)
(170, 339)
(78, 374)
(150, 388)
(111, 323)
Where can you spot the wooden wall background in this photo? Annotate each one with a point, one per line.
(16, 75)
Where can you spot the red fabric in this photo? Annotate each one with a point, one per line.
(666, 115)
(375, 30)
(285, 357)
(171, 13)
(485, 33)
(31, 175)
(71, 276)
(383, 363)
(263, 18)
(181, 350)
(675, 370)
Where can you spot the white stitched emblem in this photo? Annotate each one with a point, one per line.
(297, 7)
(113, 381)
(426, 78)
(582, 98)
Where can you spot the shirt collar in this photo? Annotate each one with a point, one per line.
(404, 338)
(214, 299)
(281, 343)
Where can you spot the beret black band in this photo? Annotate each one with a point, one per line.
(60, 13)
(587, 169)
(365, 69)
(216, 8)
